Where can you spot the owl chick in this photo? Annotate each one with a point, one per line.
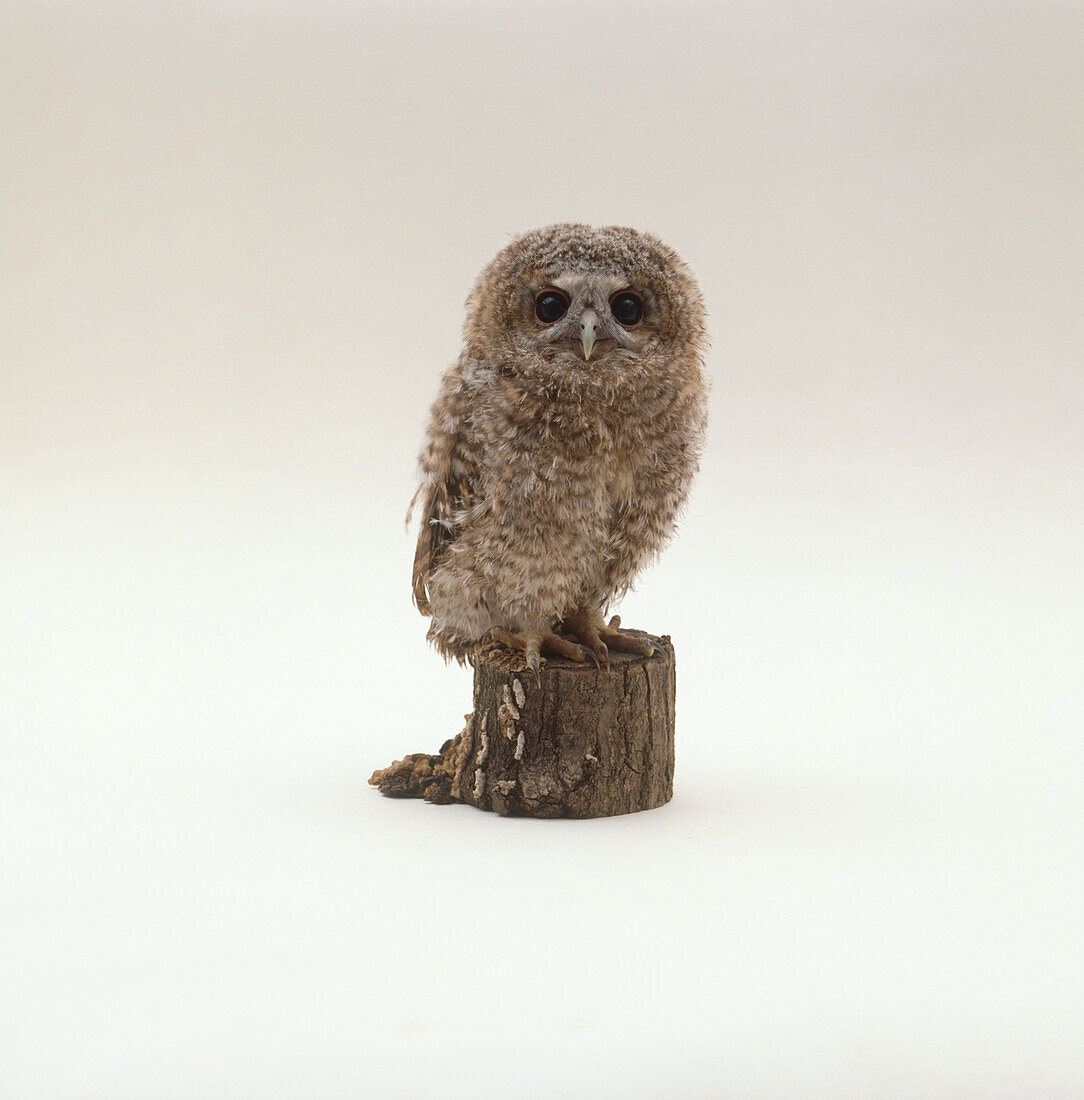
(562, 444)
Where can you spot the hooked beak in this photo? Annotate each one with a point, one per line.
(587, 335)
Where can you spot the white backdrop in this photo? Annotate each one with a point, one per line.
(235, 241)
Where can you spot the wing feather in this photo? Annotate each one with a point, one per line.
(449, 479)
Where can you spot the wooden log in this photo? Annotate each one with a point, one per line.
(586, 742)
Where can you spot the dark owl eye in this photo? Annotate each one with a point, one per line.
(627, 308)
(550, 306)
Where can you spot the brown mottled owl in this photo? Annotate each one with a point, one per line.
(562, 444)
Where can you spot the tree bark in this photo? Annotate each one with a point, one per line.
(587, 742)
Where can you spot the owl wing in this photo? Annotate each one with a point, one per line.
(449, 487)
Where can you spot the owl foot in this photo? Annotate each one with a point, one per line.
(600, 639)
(623, 640)
(533, 645)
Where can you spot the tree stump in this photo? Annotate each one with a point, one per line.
(586, 742)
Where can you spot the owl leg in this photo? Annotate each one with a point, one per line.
(599, 638)
(534, 643)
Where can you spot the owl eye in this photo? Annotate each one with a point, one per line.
(550, 306)
(627, 308)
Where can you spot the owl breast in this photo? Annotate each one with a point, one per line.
(571, 500)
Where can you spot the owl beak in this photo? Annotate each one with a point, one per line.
(587, 336)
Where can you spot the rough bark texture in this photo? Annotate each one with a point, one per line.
(587, 743)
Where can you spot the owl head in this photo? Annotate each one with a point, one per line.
(577, 302)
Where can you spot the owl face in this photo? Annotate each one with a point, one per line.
(585, 301)
(577, 316)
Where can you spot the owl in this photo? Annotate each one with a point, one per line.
(562, 444)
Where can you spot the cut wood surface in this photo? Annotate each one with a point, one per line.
(586, 742)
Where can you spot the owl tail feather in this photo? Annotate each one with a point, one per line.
(449, 645)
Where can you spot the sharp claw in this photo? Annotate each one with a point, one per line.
(594, 657)
(605, 654)
(533, 664)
